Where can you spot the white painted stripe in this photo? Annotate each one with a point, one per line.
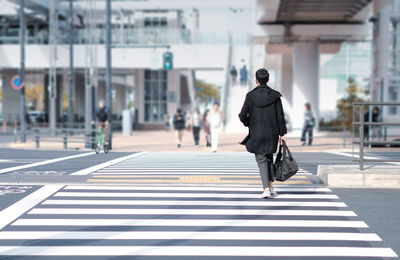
(197, 203)
(333, 236)
(15, 168)
(17, 209)
(108, 163)
(173, 172)
(191, 195)
(365, 157)
(126, 211)
(197, 188)
(196, 251)
(192, 222)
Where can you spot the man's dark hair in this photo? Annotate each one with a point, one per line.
(262, 76)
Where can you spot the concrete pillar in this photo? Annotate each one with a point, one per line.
(11, 100)
(174, 94)
(381, 45)
(305, 80)
(120, 100)
(287, 78)
(80, 96)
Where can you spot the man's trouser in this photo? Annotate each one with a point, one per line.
(264, 162)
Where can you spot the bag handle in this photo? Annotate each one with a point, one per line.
(286, 149)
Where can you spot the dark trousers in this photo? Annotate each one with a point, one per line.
(307, 130)
(196, 134)
(265, 162)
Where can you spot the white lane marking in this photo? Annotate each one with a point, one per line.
(365, 157)
(170, 188)
(191, 195)
(192, 222)
(181, 172)
(333, 236)
(127, 211)
(17, 209)
(197, 203)
(108, 163)
(15, 168)
(197, 251)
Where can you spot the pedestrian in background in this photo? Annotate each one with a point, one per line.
(215, 118)
(234, 74)
(206, 128)
(167, 125)
(243, 75)
(179, 126)
(308, 126)
(375, 118)
(196, 125)
(263, 114)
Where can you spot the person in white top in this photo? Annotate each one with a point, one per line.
(215, 119)
(196, 125)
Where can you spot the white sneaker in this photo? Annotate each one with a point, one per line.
(273, 192)
(266, 193)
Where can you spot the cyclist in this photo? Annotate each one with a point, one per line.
(102, 118)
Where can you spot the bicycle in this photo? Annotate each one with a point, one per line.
(101, 140)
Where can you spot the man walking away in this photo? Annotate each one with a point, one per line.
(262, 113)
(309, 123)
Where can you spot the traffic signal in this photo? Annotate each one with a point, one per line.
(168, 60)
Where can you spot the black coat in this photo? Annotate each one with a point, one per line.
(262, 112)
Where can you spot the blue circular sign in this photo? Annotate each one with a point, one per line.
(16, 83)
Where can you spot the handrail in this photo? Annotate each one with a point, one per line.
(362, 124)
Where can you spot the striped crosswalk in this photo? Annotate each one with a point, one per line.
(190, 221)
(207, 222)
(174, 168)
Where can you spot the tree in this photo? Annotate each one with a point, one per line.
(345, 105)
(206, 91)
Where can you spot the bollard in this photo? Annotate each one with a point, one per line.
(37, 138)
(65, 140)
(15, 134)
(344, 136)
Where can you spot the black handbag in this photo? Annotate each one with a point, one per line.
(285, 166)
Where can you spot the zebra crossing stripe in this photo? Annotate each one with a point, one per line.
(127, 211)
(192, 195)
(198, 189)
(325, 236)
(190, 222)
(197, 203)
(196, 251)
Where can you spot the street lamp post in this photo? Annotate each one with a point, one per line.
(71, 66)
(108, 70)
(22, 68)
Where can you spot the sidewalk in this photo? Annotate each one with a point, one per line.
(162, 141)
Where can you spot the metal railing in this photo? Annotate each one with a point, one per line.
(368, 124)
(65, 136)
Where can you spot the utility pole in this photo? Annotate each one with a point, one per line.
(108, 69)
(71, 66)
(52, 82)
(22, 68)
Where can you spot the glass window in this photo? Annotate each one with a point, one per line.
(156, 22)
(154, 88)
(163, 22)
(155, 95)
(147, 22)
